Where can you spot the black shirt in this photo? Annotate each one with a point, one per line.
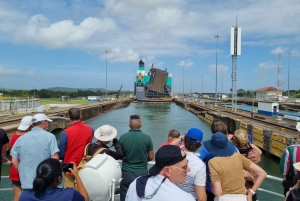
(118, 154)
(3, 140)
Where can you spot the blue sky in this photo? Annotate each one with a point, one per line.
(62, 43)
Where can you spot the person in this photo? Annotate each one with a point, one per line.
(104, 135)
(3, 141)
(171, 167)
(45, 184)
(294, 192)
(205, 156)
(227, 182)
(137, 151)
(24, 127)
(196, 178)
(252, 113)
(250, 151)
(4, 149)
(32, 148)
(173, 136)
(72, 143)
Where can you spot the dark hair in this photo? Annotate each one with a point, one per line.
(74, 113)
(174, 133)
(191, 146)
(46, 173)
(134, 116)
(37, 123)
(218, 126)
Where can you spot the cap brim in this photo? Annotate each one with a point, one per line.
(23, 128)
(50, 120)
(297, 166)
(228, 151)
(154, 170)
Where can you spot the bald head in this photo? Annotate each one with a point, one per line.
(135, 124)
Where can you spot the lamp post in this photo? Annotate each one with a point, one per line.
(183, 83)
(289, 53)
(106, 75)
(217, 37)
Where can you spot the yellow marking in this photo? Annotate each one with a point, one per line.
(243, 125)
(278, 145)
(279, 138)
(258, 130)
(258, 137)
(259, 144)
(276, 152)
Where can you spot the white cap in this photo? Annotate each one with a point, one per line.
(105, 133)
(26, 122)
(40, 117)
(298, 126)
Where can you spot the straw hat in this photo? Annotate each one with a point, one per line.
(105, 133)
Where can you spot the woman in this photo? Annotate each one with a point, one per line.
(48, 177)
(250, 151)
(24, 127)
(226, 171)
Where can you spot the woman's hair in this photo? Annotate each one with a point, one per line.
(191, 146)
(240, 139)
(46, 173)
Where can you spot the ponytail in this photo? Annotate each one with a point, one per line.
(39, 185)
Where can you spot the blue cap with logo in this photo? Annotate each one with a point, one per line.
(194, 135)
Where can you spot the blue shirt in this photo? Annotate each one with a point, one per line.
(50, 194)
(205, 156)
(32, 148)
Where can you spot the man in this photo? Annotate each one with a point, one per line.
(290, 156)
(173, 135)
(32, 148)
(171, 167)
(294, 193)
(196, 178)
(104, 134)
(137, 151)
(3, 141)
(72, 143)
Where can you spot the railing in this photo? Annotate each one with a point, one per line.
(152, 163)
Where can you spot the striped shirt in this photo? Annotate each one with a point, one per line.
(290, 156)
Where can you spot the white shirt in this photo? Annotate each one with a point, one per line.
(197, 175)
(167, 191)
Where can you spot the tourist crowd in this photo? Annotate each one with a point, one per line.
(186, 168)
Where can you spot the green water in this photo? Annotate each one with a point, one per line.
(157, 120)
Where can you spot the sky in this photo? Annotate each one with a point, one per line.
(63, 43)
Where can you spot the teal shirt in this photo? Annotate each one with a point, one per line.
(135, 145)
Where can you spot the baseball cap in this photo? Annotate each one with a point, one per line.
(166, 156)
(40, 117)
(25, 123)
(194, 135)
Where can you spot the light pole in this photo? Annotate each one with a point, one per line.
(217, 37)
(222, 87)
(202, 88)
(106, 76)
(289, 53)
(183, 83)
(33, 92)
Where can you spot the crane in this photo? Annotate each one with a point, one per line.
(118, 95)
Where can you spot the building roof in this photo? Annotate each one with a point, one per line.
(268, 89)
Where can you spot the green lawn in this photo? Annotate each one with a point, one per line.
(44, 101)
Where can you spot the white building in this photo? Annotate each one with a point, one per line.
(268, 93)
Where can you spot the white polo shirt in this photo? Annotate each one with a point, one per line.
(167, 191)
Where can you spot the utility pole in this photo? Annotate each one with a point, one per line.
(106, 76)
(289, 53)
(222, 86)
(183, 82)
(216, 91)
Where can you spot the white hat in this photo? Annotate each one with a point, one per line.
(297, 166)
(298, 126)
(105, 133)
(40, 117)
(26, 122)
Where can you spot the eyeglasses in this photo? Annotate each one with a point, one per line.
(155, 191)
(182, 168)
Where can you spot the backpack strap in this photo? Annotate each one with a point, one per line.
(141, 185)
(86, 149)
(98, 151)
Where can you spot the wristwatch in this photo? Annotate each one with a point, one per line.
(252, 191)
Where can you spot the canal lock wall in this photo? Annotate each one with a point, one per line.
(271, 141)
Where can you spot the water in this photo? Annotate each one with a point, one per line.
(157, 120)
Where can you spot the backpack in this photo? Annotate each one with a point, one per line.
(86, 158)
(295, 193)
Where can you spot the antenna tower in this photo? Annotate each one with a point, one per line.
(279, 80)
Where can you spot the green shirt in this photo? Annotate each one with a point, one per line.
(135, 145)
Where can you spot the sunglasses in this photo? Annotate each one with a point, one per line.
(182, 168)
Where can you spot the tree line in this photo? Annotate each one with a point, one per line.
(47, 93)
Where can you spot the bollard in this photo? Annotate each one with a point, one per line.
(282, 130)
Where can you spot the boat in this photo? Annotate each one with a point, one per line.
(152, 86)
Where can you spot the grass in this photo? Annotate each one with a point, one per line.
(44, 101)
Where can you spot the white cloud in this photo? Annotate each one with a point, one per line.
(120, 55)
(186, 63)
(152, 60)
(278, 50)
(267, 65)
